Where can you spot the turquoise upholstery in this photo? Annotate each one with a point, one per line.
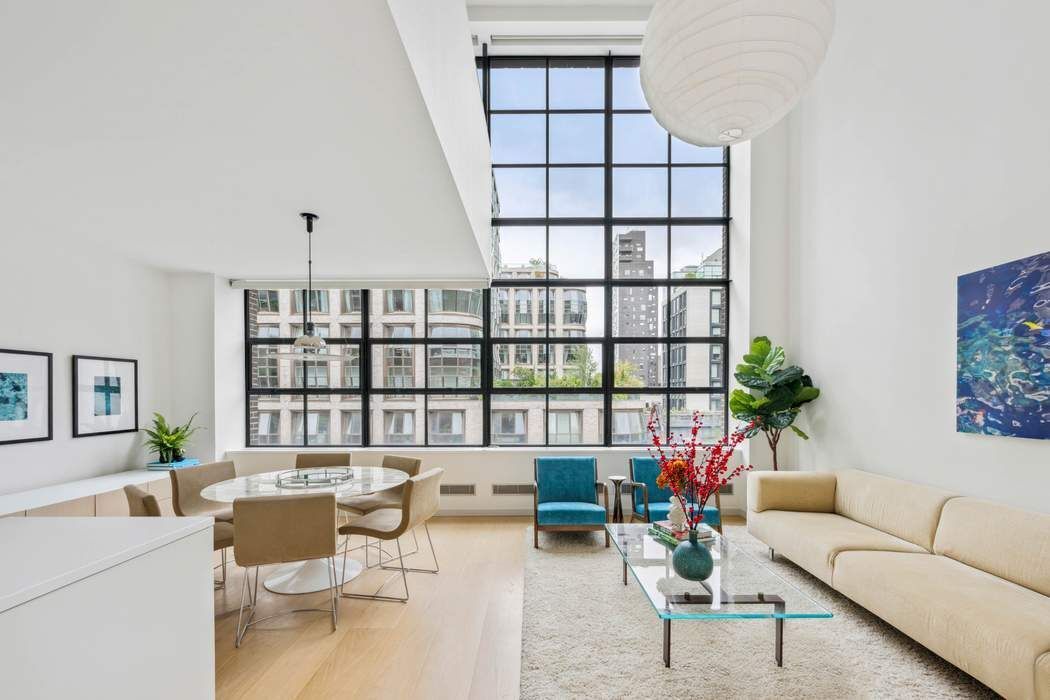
(566, 479)
(644, 470)
(563, 513)
(659, 510)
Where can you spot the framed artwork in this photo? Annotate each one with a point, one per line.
(105, 396)
(1002, 348)
(25, 396)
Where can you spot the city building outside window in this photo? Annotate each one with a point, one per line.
(510, 427)
(351, 301)
(523, 307)
(447, 428)
(316, 425)
(318, 301)
(399, 300)
(316, 374)
(352, 427)
(269, 301)
(269, 431)
(268, 330)
(565, 427)
(399, 427)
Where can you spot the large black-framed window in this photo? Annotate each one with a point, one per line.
(610, 294)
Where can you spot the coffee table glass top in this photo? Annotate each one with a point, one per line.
(741, 586)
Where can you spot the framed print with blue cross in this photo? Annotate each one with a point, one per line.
(105, 395)
(25, 396)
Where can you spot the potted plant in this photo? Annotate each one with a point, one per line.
(169, 442)
(694, 472)
(777, 394)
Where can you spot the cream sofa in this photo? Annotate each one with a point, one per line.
(967, 578)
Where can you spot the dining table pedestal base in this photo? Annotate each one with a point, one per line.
(310, 576)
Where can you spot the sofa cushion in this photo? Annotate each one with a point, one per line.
(566, 479)
(993, 629)
(802, 491)
(814, 540)
(660, 509)
(1009, 542)
(909, 511)
(556, 513)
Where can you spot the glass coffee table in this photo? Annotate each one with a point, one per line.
(741, 587)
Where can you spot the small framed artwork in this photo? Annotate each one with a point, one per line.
(105, 396)
(25, 396)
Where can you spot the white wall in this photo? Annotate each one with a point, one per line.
(919, 154)
(70, 301)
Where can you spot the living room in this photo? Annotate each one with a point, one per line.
(595, 391)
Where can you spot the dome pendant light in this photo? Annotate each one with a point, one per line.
(309, 342)
(718, 72)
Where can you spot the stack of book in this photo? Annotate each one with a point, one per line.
(662, 532)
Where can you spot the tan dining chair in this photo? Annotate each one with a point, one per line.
(186, 485)
(280, 530)
(142, 504)
(420, 497)
(314, 460)
(387, 498)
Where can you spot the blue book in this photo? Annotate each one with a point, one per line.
(167, 466)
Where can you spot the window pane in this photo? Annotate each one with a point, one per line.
(397, 366)
(521, 192)
(319, 301)
(696, 252)
(577, 84)
(638, 365)
(575, 419)
(454, 420)
(517, 419)
(637, 138)
(267, 366)
(267, 330)
(522, 252)
(317, 425)
(696, 365)
(266, 301)
(577, 192)
(712, 416)
(697, 192)
(269, 419)
(630, 417)
(639, 312)
(682, 152)
(350, 426)
(576, 252)
(639, 191)
(698, 312)
(577, 138)
(577, 312)
(397, 420)
(639, 252)
(396, 313)
(519, 138)
(454, 366)
(351, 301)
(575, 365)
(350, 375)
(313, 374)
(627, 86)
(519, 365)
(518, 84)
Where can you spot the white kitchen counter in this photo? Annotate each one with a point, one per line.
(72, 490)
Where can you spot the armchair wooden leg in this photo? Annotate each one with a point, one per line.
(535, 536)
(606, 538)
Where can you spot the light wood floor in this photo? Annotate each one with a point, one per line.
(458, 637)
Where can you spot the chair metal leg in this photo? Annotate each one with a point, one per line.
(404, 581)
(250, 589)
(245, 591)
(221, 583)
(433, 553)
(332, 593)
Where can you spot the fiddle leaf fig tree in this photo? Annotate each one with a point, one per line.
(777, 393)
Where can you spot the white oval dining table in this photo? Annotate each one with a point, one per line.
(313, 575)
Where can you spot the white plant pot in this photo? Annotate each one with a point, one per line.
(676, 515)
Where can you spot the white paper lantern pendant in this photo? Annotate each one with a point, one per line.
(718, 72)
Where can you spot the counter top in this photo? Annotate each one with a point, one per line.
(72, 490)
(40, 555)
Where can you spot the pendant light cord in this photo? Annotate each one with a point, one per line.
(309, 269)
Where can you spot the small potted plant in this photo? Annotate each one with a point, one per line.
(694, 472)
(169, 442)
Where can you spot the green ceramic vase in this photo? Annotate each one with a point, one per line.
(692, 559)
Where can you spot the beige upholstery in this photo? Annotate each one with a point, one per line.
(1042, 677)
(186, 485)
(222, 535)
(141, 503)
(279, 529)
(992, 629)
(313, 460)
(800, 491)
(814, 540)
(909, 511)
(1010, 543)
(419, 502)
(387, 498)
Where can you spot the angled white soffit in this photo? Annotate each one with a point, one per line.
(189, 135)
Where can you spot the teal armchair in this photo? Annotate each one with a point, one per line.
(565, 496)
(654, 503)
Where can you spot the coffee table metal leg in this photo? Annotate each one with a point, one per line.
(667, 643)
(625, 572)
(779, 634)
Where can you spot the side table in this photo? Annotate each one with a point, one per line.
(617, 514)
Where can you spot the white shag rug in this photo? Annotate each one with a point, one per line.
(586, 635)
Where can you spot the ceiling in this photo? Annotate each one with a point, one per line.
(189, 135)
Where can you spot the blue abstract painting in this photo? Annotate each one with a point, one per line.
(14, 396)
(107, 396)
(1003, 350)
